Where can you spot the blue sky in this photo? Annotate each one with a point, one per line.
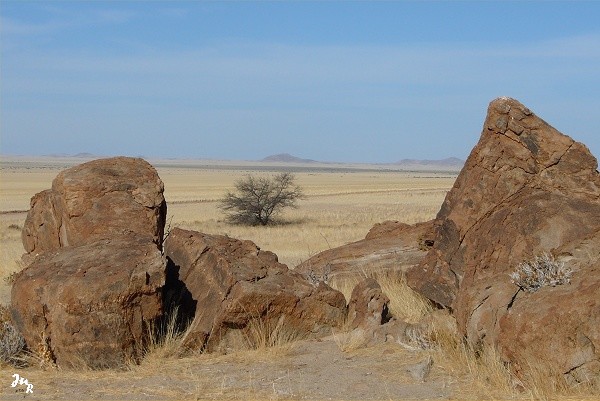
(331, 81)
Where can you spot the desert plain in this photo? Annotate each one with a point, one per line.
(341, 203)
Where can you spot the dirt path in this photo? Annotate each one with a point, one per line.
(308, 370)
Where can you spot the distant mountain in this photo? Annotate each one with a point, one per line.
(85, 155)
(286, 158)
(448, 162)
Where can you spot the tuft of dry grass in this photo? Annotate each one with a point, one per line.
(264, 334)
(481, 372)
(348, 341)
(405, 304)
(165, 340)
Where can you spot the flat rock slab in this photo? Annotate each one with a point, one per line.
(388, 246)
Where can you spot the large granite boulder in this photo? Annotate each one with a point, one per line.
(225, 283)
(526, 190)
(90, 305)
(387, 246)
(95, 200)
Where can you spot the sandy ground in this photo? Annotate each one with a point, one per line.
(309, 370)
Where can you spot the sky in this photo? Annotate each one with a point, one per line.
(371, 82)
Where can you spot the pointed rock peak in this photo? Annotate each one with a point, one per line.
(514, 137)
(520, 163)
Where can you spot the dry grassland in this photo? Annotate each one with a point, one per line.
(340, 207)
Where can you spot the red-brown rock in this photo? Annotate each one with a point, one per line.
(231, 282)
(388, 246)
(525, 189)
(368, 307)
(91, 305)
(387, 229)
(94, 200)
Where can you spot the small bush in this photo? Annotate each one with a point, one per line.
(12, 343)
(540, 272)
(10, 279)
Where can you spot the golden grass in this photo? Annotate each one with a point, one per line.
(265, 334)
(405, 304)
(335, 212)
(481, 373)
(340, 206)
(165, 341)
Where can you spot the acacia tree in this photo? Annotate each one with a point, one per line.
(257, 199)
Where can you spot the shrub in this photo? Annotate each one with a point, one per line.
(10, 279)
(258, 199)
(542, 271)
(12, 342)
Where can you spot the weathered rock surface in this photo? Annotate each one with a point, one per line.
(90, 305)
(525, 189)
(389, 245)
(95, 200)
(229, 282)
(387, 229)
(369, 306)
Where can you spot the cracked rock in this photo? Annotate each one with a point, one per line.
(91, 305)
(232, 285)
(97, 200)
(517, 197)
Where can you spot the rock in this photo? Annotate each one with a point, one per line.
(525, 189)
(387, 229)
(231, 282)
(561, 324)
(369, 306)
(389, 246)
(90, 305)
(96, 200)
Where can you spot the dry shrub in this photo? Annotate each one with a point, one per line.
(166, 339)
(541, 271)
(12, 343)
(263, 333)
(348, 341)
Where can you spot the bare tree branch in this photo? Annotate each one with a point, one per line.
(257, 200)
